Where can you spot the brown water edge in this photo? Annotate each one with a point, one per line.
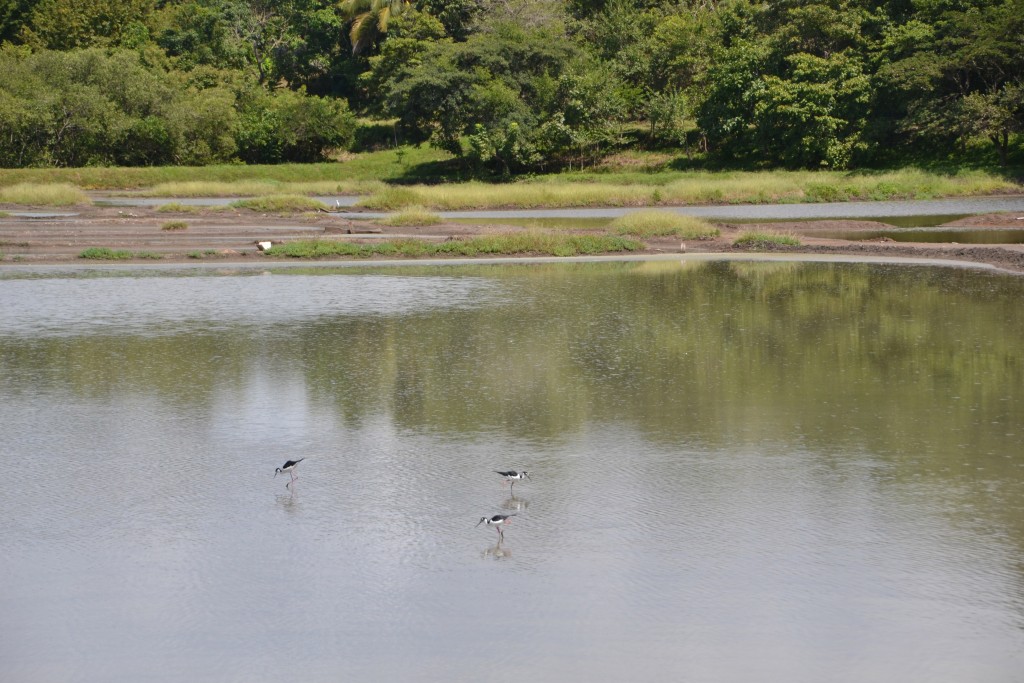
(231, 235)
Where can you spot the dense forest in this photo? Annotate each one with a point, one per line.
(511, 86)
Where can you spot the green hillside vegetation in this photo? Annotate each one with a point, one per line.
(496, 89)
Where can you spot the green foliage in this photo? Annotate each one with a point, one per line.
(510, 86)
(368, 20)
(69, 24)
(289, 126)
(88, 107)
(174, 225)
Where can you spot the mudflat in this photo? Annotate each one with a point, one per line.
(41, 235)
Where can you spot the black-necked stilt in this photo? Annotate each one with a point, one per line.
(497, 521)
(288, 467)
(513, 476)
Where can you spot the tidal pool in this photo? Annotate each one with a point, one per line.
(740, 471)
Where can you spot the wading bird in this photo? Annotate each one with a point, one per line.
(497, 521)
(288, 467)
(513, 476)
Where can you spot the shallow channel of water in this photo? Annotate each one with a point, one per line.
(740, 471)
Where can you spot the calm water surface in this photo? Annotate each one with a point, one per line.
(741, 472)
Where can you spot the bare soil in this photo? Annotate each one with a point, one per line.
(233, 235)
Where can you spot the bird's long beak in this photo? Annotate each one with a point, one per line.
(478, 523)
(528, 475)
(276, 472)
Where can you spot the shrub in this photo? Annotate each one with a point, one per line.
(174, 225)
(105, 254)
(290, 126)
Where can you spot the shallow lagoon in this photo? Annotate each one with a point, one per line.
(741, 471)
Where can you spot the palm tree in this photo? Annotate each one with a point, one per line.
(369, 19)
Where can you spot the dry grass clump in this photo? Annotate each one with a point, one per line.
(411, 216)
(46, 194)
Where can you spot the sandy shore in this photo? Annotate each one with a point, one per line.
(48, 237)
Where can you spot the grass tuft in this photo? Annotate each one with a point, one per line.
(411, 216)
(177, 207)
(174, 225)
(280, 203)
(756, 239)
(645, 224)
(105, 254)
(52, 194)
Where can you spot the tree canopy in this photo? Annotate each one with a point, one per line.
(511, 86)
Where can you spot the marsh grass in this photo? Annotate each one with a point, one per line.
(501, 244)
(678, 188)
(29, 194)
(174, 225)
(281, 203)
(645, 224)
(257, 187)
(105, 254)
(411, 216)
(148, 255)
(757, 239)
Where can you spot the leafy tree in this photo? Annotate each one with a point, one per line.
(289, 126)
(456, 16)
(67, 24)
(13, 14)
(962, 75)
(793, 89)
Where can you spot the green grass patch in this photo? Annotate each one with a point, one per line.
(411, 216)
(646, 224)
(176, 207)
(174, 225)
(346, 175)
(281, 203)
(148, 255)
(756, 239)
(105, 254)
(493, 245)
(30, 194)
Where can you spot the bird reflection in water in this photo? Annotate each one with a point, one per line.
(288, 501)
(496, 552)
(515, 504)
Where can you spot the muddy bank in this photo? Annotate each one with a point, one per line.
(44, 236)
